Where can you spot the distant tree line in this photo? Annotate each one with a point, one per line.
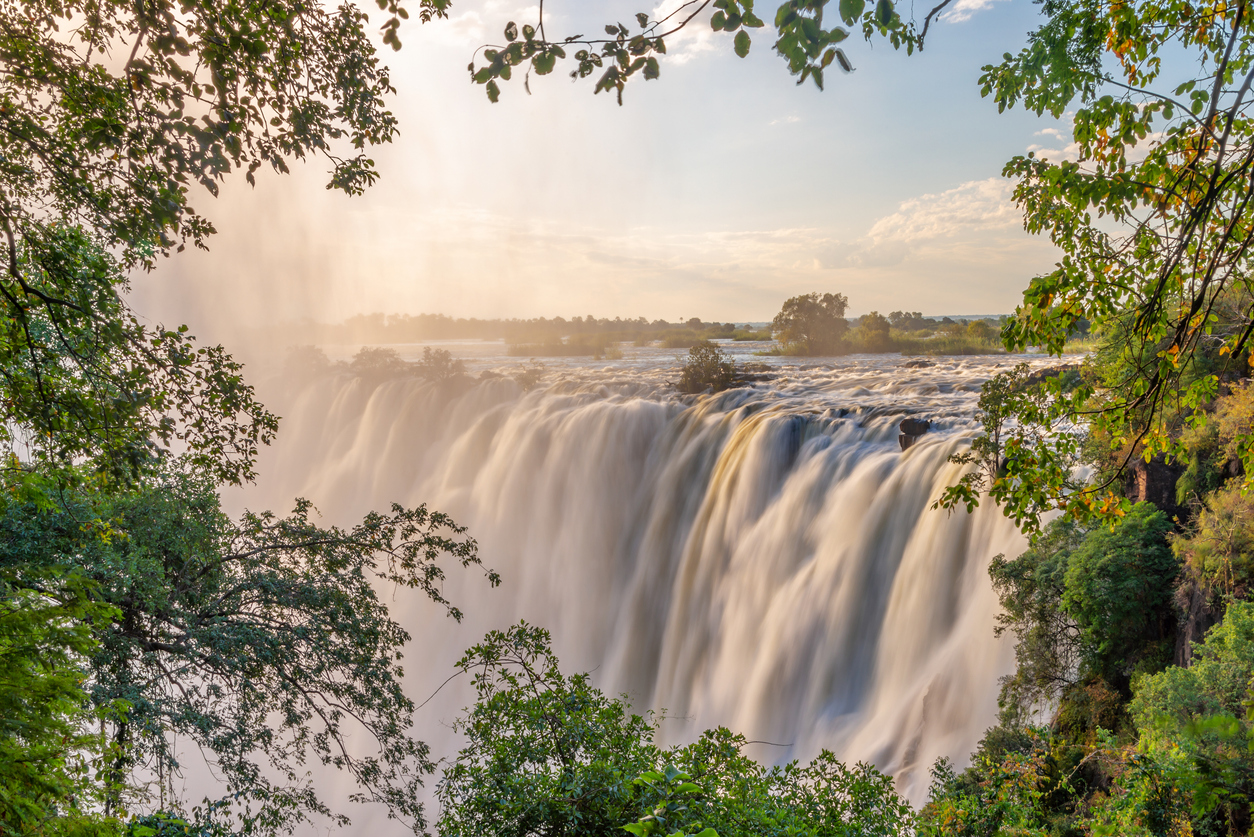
(587, 331)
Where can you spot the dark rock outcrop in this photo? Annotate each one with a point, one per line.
(1197, 616)
(1041, 375)
(1155, 482)
(917, 364)
(911, 429)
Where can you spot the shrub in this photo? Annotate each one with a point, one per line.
(439, 365)
(378, 363)
(707, 368)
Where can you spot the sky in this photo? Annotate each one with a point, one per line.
(717, 191)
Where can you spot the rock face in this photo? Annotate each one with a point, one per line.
(917, 364)
(1155, 481)
(1197, 616)
(1050, 372)
(911, 429)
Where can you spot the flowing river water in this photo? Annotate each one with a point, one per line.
(764, 558)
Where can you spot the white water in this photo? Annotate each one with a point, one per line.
(765, 559)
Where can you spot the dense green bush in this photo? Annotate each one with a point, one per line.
(549, 754)
(1206, 713)
(707, 368)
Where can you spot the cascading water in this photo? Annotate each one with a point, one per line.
(765, 559)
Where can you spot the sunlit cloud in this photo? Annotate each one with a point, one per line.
(964, 10)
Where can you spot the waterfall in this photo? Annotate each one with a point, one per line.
(764, 559)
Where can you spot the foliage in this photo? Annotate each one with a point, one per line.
(549, 754)
(1041, 786)
(46, 786)
(112, 114)
(804, 43)
(264, 642)
(707, 368)
(85, 380)
(872, 332)
(529, 375)
(377, 363)
(1215, 449)
(1119, 590)
(1089, 609)
(1153, 222)
(1047, 639)
(812, 324)
(1218, 550)
(909, 321)
(439, 365)
(546, 753)
(674, 789)
(1206, 712)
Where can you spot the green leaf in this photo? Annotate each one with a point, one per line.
(718, 20)
(884, 12)
(742, 43)
(851, 10)
(511, 31)
(642, 19)
(544, 63)
(494, 92)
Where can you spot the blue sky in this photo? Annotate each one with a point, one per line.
(717, 191)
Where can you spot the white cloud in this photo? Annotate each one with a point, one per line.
(694, 39)
(979, 205)
(964, 10)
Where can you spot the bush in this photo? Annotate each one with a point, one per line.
(707, 368)
(873, 333)
(438, 365)
(1205, 712)
(549, 754)
(377, 364)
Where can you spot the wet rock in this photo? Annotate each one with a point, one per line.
(911, 429)
(917, 364)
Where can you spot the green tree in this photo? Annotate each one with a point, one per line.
(262, 641)
(1205, 712)
(1153, 222)
(549, 754)
(46, 753)
(812, 324)
(1090, 609)
(873, 332)
(1119, 589)
(707, 368)
(439, 365)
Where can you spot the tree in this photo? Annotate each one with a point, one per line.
(707, 368)
(873, 332)
(549, 754)
(113, 114)
(377, 363)
(261, 641)
(1204, 712)
(439, 365)
(1153, 219)
(812, 324)
(802, 41)
(45, 751)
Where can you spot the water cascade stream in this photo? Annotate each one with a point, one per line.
(765, 558)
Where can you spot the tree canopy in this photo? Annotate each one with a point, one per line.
(812, 324)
